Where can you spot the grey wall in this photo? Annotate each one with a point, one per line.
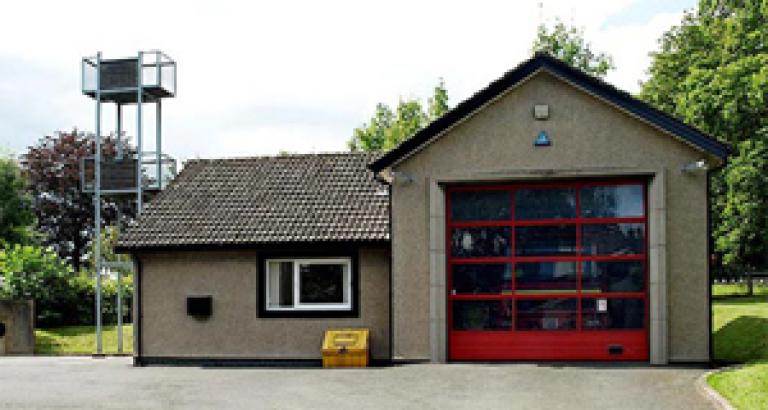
(235, 330)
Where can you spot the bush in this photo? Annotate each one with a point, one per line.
(62, 298)
(32, 272)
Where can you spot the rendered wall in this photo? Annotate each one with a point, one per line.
(589, 138)
(235, 330)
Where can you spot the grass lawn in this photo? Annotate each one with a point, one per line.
(745, 388)
(741, 335)
(80, 340)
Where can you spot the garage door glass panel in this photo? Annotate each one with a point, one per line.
(481, 241)
(613, 313)
(613, 239)
(549, 203)
(546, 314)
(482, 278)
(612, 201)
(480, 205)
(545, 240)
(624, 276)
(546, 277)
(482, 315)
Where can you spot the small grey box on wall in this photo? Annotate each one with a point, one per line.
(200, 307)
(541, 112)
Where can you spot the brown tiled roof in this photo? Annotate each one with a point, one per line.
(287, 198)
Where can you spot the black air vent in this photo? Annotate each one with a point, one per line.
(199, 307)
(615, 349)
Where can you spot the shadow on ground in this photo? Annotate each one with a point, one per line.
(741, 339)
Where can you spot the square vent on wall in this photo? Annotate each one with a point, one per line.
(200, 307)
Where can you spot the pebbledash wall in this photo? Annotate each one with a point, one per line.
(235, 330)
(590, 138)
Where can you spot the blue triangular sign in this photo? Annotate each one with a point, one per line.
(542, 140)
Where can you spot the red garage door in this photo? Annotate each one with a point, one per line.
(550, 271)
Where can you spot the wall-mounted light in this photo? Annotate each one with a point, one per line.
(695, 166)
(541, 112)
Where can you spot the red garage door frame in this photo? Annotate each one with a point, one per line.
(557, 320)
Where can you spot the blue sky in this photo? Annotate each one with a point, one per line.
(256, 78)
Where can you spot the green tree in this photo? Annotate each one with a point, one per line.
(375, 134)
(387, 128)
(712, 71)
(438, 103)
(109, 236)
(64, 213)
(744, 224)
(16, 215)
(568, 44)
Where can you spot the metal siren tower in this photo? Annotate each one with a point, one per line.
(147, 78)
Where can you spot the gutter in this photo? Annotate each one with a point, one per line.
(132, 249)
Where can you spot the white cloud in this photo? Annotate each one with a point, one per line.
(258, 77)
(630, 45)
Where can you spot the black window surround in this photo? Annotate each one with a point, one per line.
(264, 312)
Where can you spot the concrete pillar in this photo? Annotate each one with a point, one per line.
(657, 269)
(437, 273)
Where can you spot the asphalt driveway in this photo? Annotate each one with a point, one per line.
(81, 382)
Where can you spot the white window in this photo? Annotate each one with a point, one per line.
(309, 284)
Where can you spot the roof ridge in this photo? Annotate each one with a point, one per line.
(288, 155)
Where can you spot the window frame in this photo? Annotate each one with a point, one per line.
(309, 310)
(297, 264)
